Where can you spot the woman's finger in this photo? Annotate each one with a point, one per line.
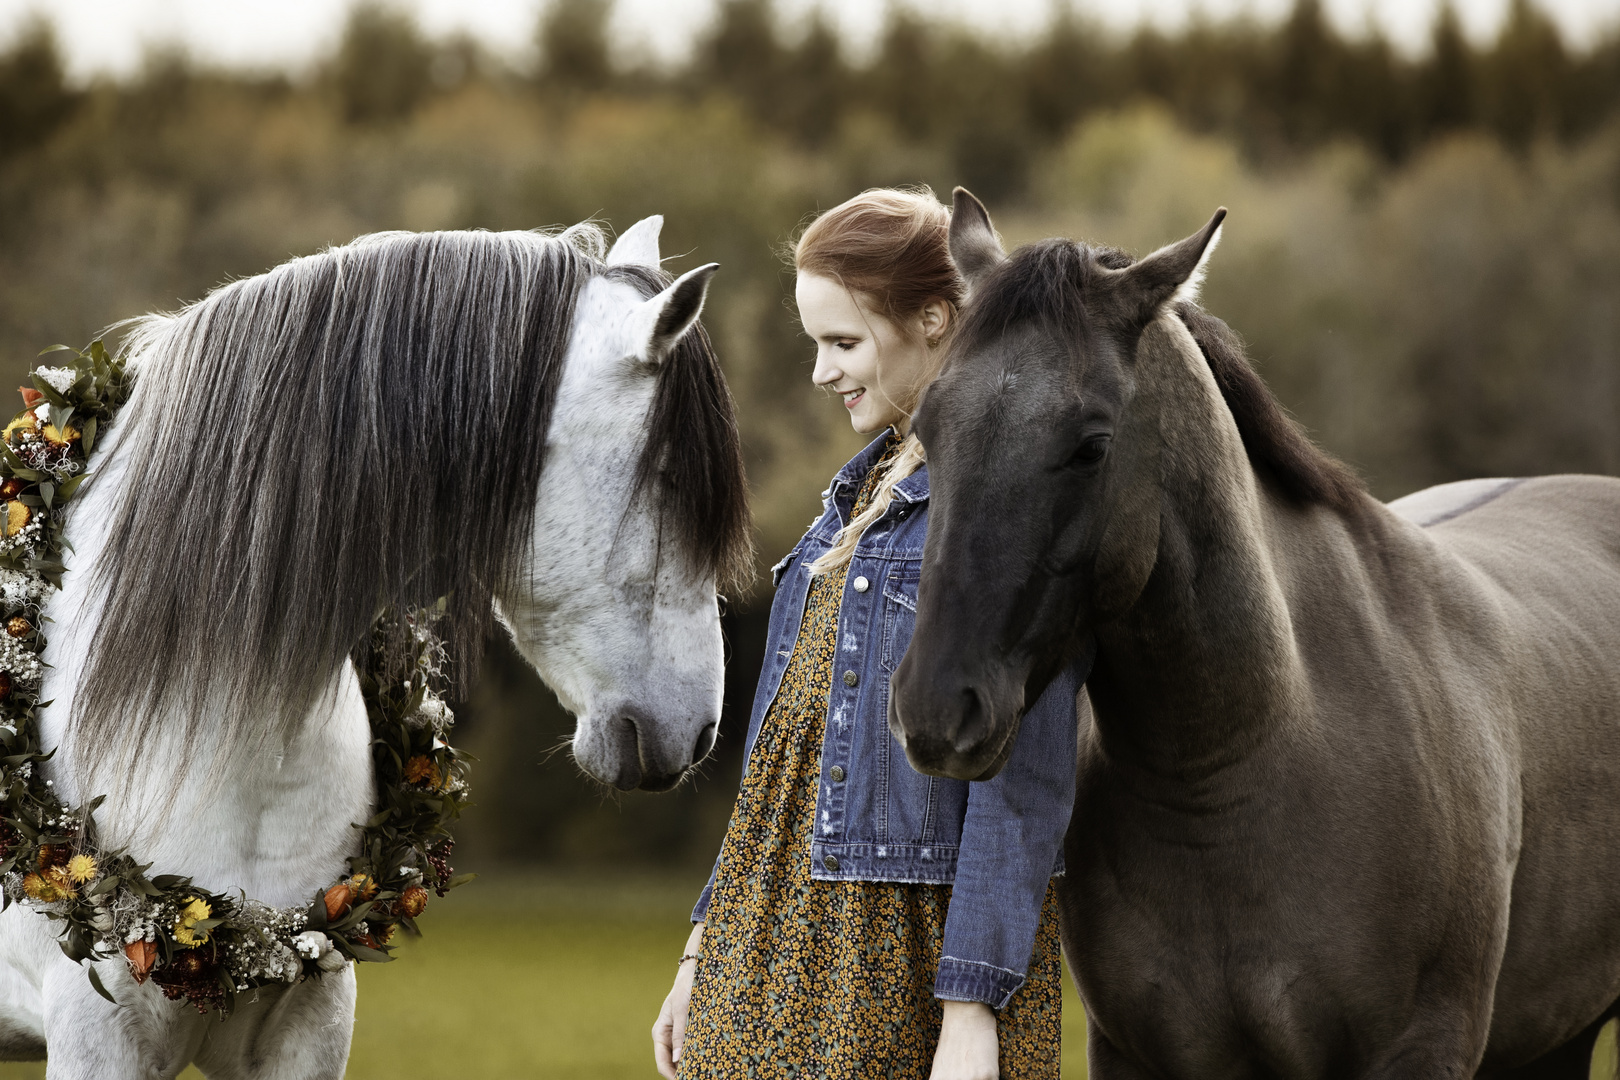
(663, 1051)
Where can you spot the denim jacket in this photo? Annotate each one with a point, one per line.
(877, 819)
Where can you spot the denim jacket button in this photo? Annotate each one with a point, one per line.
(837, 774)
(861, 584)
(850, 678)
(830, 863)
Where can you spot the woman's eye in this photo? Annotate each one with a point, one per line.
(844, 345)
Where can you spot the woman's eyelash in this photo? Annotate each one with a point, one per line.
(845, 345)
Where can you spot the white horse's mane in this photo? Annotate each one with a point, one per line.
(306, 446)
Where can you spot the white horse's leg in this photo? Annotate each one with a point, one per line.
(299, 1033)
(143, 1037)
(25, 950)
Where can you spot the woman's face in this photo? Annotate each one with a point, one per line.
(875, 365)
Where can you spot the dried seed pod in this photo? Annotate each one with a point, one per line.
(339, 898)
(19, 627)
(141, 956)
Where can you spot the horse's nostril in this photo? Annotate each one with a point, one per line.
(705, 742)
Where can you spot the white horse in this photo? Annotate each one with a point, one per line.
(356, 428)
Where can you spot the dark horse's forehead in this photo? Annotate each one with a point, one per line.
(1033, 340)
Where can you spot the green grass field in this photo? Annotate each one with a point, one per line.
(536, 976)
(541, 975)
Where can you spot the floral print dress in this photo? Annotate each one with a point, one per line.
(832, 979)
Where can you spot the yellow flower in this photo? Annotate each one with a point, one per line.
(186, 933)
(82, 868)
(48, 887)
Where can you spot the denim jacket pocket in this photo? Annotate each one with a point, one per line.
(899, 613)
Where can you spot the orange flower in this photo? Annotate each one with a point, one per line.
(413, 901)
(362, 887)
(421, 770)
(141, 956)
(339, 898)
(30, 396)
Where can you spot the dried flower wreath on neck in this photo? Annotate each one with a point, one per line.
(200, 946)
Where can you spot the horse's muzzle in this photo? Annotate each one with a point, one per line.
(951, 725)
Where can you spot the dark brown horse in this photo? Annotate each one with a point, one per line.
(1349, 793)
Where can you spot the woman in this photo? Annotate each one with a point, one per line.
(864, 919)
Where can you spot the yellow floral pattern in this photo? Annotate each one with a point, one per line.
(832, 979)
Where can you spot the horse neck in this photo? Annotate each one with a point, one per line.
(1203, 668)
(275, 824)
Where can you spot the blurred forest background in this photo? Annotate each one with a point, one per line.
(1423, 251)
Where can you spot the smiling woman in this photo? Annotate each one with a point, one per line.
(863, 916)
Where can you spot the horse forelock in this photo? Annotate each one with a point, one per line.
(690, 470)
(1045, 284)
(355, 428)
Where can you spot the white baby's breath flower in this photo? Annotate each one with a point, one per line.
(312, 944)
(59, 378)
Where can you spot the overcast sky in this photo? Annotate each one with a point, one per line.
(111, 35)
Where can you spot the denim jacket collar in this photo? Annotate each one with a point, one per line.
(840, 494)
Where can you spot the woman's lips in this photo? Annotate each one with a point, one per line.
(853, 397)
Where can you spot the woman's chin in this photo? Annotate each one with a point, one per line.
(869, 425)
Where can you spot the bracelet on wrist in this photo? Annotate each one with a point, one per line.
(685, 957)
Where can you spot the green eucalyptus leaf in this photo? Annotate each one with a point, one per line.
(95, 981)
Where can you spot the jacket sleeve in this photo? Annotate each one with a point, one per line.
(700, 911)
(1012, 839)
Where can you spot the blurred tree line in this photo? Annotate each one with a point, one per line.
(1423, 252)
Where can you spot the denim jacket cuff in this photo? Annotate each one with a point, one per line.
(700, 910)
(970, 980)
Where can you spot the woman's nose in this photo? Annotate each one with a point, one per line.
(826, 372)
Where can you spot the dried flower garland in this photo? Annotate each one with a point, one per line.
(200, 946)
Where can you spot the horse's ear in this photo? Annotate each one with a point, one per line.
(1174, 272)
(657, 324)
(638, 246)
(975, 248)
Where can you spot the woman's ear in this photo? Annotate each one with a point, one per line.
(935, 319)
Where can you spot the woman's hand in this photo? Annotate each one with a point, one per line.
(669, 1032)
(967, 1043)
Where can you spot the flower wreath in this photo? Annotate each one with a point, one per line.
(200, 946)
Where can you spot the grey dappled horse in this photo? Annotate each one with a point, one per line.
(1349, 801)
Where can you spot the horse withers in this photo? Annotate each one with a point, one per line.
(1349, 794)
(512, 420)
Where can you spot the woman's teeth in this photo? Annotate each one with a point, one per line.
(852, 396)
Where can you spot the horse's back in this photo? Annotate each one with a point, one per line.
(1546, 550)
(1535, 530)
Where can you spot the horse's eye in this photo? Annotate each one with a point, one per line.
(1091, 451)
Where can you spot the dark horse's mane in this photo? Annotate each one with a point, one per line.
(356, 428)
(1046, 283)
